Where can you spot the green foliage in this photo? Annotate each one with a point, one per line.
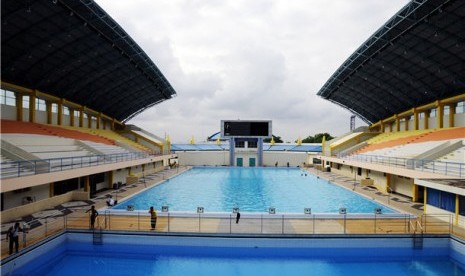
(317, 138)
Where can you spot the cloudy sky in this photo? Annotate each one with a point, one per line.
(248, 59)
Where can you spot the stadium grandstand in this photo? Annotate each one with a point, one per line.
(407, 83)
(72, 79)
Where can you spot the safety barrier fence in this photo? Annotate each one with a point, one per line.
(453, 169)
(11, 169)
(249, 223)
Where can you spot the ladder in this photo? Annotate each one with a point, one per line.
(97, 236)
(418, 241)
(418, 238)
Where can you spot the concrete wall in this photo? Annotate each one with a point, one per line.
(459, 119)
(201, 158)
(41, 205)
(8, 112)
(402, 185)
(246, 156)
(379, 180)
(17, 198)
(221, 158)
(282, 157)
(41, 117)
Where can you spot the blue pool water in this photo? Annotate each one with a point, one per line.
(84, 258)
(252, 190)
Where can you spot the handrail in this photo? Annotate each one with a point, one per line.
(425, 165)
(251, 223)
(100, 221)
(66, 163)
(419, 226)
(412, 226)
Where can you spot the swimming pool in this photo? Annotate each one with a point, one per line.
(219, 189)
(132, 254)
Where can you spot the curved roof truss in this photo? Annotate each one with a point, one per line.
(73, 49)
(417, 57)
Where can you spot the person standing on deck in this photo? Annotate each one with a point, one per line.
(93, 216)
(13, 237)
(153, 217)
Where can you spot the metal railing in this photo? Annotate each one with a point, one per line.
(12, 169)
(249, 223)
(446, 168)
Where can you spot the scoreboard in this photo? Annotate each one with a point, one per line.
(247, 128)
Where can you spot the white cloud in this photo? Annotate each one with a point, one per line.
(260, 59)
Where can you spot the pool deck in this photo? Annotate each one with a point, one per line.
(52, 221)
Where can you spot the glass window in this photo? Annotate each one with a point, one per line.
(446, 110)
(40, 104)
(54, 108)
(65, 110)
(240, 144)
(433, 113)
(460, 107)
(7, 97)
(252, 144)
(26, 102)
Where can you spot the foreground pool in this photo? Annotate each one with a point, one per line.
(289, 190)
(131, 254)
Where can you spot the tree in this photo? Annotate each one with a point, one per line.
(318, 138)
(277, 139)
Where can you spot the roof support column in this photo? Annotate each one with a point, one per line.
(407, 121)
(440, 114)
(32, 106)
(48, 108)
(81, 117)
(426, 121)
(71, 116)
(19, 107)
(397, 123)
(415, 119)
(60, 113)
(99, 118)
(89, 121)
(452, 111)
(381, 123)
